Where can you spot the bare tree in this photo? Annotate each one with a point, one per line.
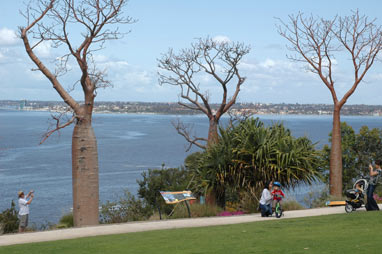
(80, 27)
(219, 60)
(320, 43)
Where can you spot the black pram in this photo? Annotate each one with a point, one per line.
(355, 196)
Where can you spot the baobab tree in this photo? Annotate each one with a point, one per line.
(216, 59)
(320, 43)
(78, 28)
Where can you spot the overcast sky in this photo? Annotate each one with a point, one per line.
(162, 24)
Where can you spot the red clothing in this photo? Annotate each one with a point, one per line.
(277, 194)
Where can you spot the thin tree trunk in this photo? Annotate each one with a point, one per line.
(85, 175)
(213, 136)
(335, 177)
(211, 197)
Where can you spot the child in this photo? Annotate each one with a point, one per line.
(277, 194)
(358, 190)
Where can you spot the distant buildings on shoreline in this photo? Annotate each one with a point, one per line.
(176, 109)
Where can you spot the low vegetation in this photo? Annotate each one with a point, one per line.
(66, 221)
(9, 221)
(290, 205)
(127, 208)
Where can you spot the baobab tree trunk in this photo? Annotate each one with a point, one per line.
(213, 136)
(335, 177)
(85, 174)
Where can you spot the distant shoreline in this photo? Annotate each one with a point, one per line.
(184, 114)
(176, 109)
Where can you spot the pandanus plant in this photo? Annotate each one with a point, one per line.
(250, 153)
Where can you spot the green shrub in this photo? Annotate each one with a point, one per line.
(290, 205)
(165, 179)
(9, 221)
(316, 199)
(66, 221)
(127, 208)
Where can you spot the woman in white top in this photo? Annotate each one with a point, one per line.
(266, 200)
(24, 209)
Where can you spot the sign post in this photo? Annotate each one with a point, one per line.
(175, 197)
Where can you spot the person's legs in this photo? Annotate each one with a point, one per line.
(27, 221)
(274, 204)
(263, 210)
(268, 210)
(371, 203)
(23, 223)
(374, 204)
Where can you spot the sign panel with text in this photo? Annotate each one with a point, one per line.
(173, 197)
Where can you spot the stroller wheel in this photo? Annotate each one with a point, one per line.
(349, 208)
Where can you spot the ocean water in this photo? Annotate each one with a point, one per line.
(128, 144)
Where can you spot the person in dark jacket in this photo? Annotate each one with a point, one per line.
(375, 173)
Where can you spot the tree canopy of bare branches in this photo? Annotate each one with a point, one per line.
(323, 44)
(220, 62)
(76, 29)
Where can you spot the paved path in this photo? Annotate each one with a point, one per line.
(109, 229)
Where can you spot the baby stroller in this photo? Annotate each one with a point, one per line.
(355, 196)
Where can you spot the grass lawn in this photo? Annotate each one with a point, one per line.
(359, 232)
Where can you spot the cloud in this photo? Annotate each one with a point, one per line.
(35, 75)
(140, 77)
(44, 49)
(374, 77)
(98, 58)
(221, 39)
(274, 80)
(274, 46)
(8, 37)
(268, 63)
(10, 56)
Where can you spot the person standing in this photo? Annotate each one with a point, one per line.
(24, 209)
(266, 200)
(375, 173)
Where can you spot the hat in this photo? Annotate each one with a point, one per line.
(20, 193)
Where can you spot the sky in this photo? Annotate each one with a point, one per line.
(132, 62)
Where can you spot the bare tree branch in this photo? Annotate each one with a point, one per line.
(187, 69)
(242, 116)
(185, 131)
(51, 21)
(58, 126)
(313, 41)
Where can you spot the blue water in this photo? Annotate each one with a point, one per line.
(128, 144)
